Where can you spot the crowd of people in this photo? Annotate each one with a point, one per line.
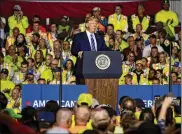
(35, 54)
(90, 117)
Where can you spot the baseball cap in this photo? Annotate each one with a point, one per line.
(96, 9)
(30, 72)
(177, 64)
(138, 62)
(12, 113)
(139, 103)
(5, 71)
(17, 8)
(65, 18)
(85, 98)
(165, 1)
(46, 117)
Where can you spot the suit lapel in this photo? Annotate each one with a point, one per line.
(97, 37)
(86, 41)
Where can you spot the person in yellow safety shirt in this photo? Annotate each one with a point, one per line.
(125, 70)
(11, 39)
(33, 44)
(13, 59)
(151, 76)
(52, 35)
(109, 33)
(15, 101)
(6, 85)
(141, 78)
(139, 33)
(64, 26)
(84, 99)
(36, 29)
(7, 66)
(19, 76)
(82, 26)
(145, 66)
(18, 20)
(56, 76)
(119, 20)
(140, 18)
(29, 78)
(168, 17)
(140, 105)
(119, 40)
(82, 115)
(42, 46)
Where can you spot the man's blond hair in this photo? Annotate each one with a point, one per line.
(91, 18)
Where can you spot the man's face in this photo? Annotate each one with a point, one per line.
(41, 82)
(162, 58)
(110, 30)
(139, 67)
(30, 77)
(16, 12)
(151, 73)
(54, 64)
(15, 32)
(35, 27)
(57, 46)
(24, 68)
(176, 69)
(166, 6)
(155, 82)
(42, 43)
(131, 41)
(144, 62)
(35, 39)
(118, 35)
(3, 76)
(96, 13)
(152, 41)
(140, 9)
(30, 64)
(53, 28)
(57, 75)
(174, 77)
(12, 50)
(66, 46)
(111, 42)
(138, 28)
(178, 81)
(48, 60)
(15, 93)
(118, 10)
(174, 50)
(154, 52)
(131, 57)
(92, 26)
(158, 74)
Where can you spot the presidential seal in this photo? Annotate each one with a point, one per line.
(102, 61)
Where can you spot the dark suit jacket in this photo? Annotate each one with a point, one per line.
(81, 43)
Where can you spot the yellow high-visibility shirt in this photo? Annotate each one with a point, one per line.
(11, 103)
(145, 22)
(21, 25)
(61, 28)
(123, 45)
(163, 16)
(119, 22)
(6, 84)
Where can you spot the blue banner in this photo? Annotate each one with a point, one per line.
(38, 95)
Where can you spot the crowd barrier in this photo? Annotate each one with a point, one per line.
(38, 95)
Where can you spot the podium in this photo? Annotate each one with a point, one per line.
(101, 71)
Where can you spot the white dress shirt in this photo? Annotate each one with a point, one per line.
(89, 38)
(147, 50)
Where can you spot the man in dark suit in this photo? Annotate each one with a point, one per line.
(87, 41)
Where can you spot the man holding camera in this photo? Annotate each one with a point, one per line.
(17, 20)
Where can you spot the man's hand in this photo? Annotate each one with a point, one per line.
(167, 102)
(80, 54)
